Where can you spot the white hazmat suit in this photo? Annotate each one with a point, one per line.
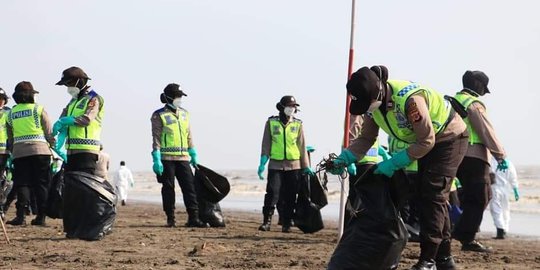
(122, 180)
(499, 207)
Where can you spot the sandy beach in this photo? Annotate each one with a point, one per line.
(139, 241)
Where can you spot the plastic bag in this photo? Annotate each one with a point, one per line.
(55, 199)
(210, 211)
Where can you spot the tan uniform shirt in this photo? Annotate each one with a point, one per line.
(480, 124)
(285, 165)
(84, 120)
(102, 165)
(355, 126)
(157, 129)
(24, 149)
(418, 114)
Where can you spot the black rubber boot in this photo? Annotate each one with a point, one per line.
(19, 219)
(39, 220)
(501, 234)
(170, 220)
(424, 265)
(193, 219)
(475, 246)
(444, 259)
(286, 227)
(267, 219)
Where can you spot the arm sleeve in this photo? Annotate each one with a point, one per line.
(355, 126)
(418, 115)
(10, 137)
(512, 176)
(266, 141)
(47, 128)
(481, 125)
(130, 175)
(367, 137)
(90, 114)
(190, 137)
(157, 128)
(301, 142)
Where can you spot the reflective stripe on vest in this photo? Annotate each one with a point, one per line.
(3, 130)
(85, 138)
(284, 145)
(25, 119)
(372, 155)
(174, 136)
(466, 99)
(396, 123)
(395, 146)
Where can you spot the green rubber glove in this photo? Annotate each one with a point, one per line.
(63, 122)
(262, 164)
(193, 154)
(352, 169)
(398, 161)
(516, 194)
(383, 153)
(60, 141)
(309, 171)
(503, 165)
(310, 149)
(158, 165)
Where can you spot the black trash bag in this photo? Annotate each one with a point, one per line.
(55, 200)
(89, 206)
(318, 190)
(376, 235)
(209, 212)
(307, 215)
(214, 186)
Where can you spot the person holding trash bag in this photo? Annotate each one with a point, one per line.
(29, 130)
(283, 144)
(420, 116)
(173, 152)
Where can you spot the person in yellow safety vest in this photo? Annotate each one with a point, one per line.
(29, 129)
(4, 153)
(284, 146)
(437, 138)
(80, 123)
(173, 152)
(374, 155)
(410, 210)
(473, 173)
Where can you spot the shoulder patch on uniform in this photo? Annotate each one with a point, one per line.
(412, 112)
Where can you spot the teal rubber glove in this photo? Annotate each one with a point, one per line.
(193, 154)
(343, 160)
(383, 153)
(158, 165)
(9, 163)
(503, 165)
(352, 169)
(63, 122)
(516, 194)
(262, 164)
(60, 141)
(310, 149)
(398, 161)
(309, 171)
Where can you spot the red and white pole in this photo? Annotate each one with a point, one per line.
(345, 182)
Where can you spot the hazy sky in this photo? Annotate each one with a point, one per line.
(236, 58)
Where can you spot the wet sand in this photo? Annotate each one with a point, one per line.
(140, 241)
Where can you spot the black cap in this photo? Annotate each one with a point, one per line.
(173, 90)
(25, 86)
(3, 94)
(470, 77)
(72, 73)
(363, 86)
(288, 101)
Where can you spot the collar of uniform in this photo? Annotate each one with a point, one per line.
(470, 92)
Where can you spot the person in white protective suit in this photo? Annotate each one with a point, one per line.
(500, 211)
(122, 180)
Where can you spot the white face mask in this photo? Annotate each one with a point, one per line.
(373, 106)
(73, 91)
(289, 111)
(177, 102)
